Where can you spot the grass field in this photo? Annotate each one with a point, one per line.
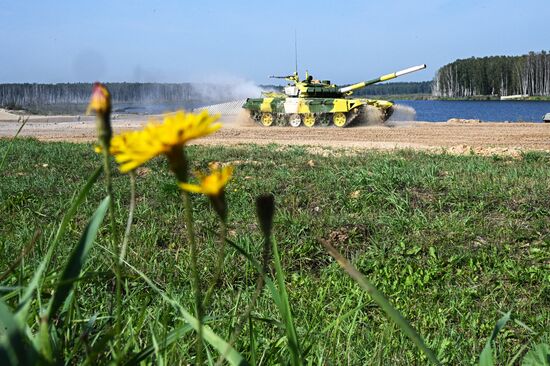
(453, 242)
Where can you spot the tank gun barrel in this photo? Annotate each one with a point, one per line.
(394, 75)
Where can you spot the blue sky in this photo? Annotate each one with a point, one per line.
(176, 41)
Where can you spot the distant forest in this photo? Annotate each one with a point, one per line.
(397, 88)
(25, 95)
(496, 75)
(391, 88)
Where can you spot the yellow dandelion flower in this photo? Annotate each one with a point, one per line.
(211, 185)
(134, 148)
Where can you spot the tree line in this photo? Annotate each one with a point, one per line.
(495, 76)
(396, 88)
(24, 95)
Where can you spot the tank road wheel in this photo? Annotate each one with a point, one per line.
(309, 120)
(339, 119)
(267, 119)
(281, 119)
(295, 120)
(324, 120)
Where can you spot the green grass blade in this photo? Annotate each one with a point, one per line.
(519, 353)
(77, 259)
(499, 325)
(170, 338)
(279, 296)
(26, 250)
(22, 308)
(229, 353)
(23, 123)
(99, 346)
(74, 206)
(538, 356)
(381, 300)
(285, 310)
(486, 356)
(268, 282)
(13, 346)
(252, 340)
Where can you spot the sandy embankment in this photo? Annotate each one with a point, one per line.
(7, 116)
(461, 138)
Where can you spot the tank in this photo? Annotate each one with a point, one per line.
(312, 102)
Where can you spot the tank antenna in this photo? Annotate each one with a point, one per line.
(295, 52)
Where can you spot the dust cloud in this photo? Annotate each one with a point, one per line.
(226, 88)
(228, 94)
(370, 116)
(402, 116)
(243, 119)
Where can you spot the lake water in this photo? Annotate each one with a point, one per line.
(497, 111)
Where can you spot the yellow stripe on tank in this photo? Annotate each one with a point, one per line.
(340, 105)
(388, 77)
(266, 105)
(303, 107)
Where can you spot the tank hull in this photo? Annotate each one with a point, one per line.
(340, 112)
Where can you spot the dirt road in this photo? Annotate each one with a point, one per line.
(482, 138)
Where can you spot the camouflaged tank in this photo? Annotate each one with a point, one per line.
(317, 103)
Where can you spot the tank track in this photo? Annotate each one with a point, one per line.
(321, 119)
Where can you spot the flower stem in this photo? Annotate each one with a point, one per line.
(104, 140)
(219, 264)
(130, 218)
(194, 273)
(109, 187)
(178, 164)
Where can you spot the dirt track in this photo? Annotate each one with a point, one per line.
(481, 138)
